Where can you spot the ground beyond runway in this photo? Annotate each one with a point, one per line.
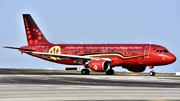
(87, 87)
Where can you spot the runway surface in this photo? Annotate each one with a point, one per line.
(87, 87)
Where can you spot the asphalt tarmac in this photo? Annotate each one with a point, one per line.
(70, 72)
(87, 87)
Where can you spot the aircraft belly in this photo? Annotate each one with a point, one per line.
(142, 62)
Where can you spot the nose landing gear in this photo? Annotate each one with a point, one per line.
(151, 73)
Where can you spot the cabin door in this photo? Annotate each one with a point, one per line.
(147, 51)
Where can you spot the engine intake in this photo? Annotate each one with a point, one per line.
(99, 65)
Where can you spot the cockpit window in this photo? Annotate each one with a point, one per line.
(166, 51)
(160, 51)
(157, 51)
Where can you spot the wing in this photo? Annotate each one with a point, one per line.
(65, 56)
(81, 58)
(75, 57)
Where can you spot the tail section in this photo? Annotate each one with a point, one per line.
(33, 33)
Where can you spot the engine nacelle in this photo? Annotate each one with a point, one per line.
(135, 68)
(99, 65)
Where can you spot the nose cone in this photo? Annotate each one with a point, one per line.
(171, 58)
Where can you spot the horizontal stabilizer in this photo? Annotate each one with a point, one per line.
(18, 48)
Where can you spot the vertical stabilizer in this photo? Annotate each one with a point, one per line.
(33, 33)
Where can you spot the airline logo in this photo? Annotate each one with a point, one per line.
(95, 67)
(55, 50)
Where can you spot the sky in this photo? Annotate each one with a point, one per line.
(90, 21)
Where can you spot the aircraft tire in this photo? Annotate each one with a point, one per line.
(151, 73)
(85, 71)
(110, 72)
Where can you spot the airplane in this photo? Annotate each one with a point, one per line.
(94, 57)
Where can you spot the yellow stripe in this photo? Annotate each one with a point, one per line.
(127, 57)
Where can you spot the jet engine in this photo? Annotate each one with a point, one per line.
(135, 68)
(99, 65)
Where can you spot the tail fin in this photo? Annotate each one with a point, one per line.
(33, 33)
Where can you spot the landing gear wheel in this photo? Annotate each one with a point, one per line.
(151, 73)
(110, 72)
(85, 71)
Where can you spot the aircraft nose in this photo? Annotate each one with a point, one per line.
(171, 58)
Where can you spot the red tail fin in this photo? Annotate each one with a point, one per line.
(33, 33)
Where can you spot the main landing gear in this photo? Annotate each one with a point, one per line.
(110, 72)
(151, 73)
(85, 71)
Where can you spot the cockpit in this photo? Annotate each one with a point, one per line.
(162, 55)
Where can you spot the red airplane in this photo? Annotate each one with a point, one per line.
(95, 57)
